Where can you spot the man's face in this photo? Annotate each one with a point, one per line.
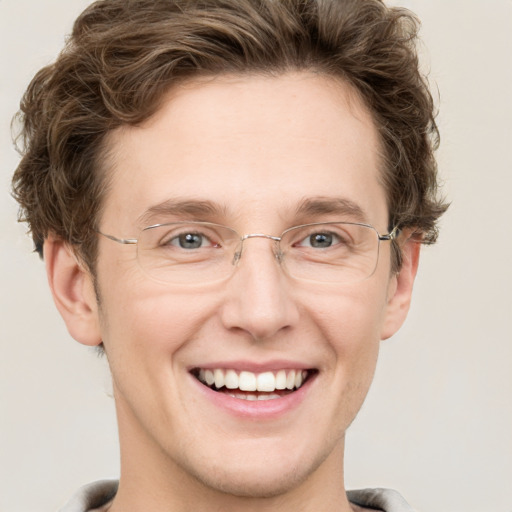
(255, 148)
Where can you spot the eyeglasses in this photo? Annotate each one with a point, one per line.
(192, 252)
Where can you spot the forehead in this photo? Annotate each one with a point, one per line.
(250, 146)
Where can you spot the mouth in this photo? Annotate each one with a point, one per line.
(246, 385)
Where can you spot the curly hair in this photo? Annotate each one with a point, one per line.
(123, 56)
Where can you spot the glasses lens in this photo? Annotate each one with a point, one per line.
(203, 252)
(331, 252)
(187, 252)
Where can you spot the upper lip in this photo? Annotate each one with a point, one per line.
(254, 367)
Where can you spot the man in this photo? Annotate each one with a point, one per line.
(229, 197)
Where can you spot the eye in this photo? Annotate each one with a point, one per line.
(191, 241)
(320, 240)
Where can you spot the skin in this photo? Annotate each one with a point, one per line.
(301, 133)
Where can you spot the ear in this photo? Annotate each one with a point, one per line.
(72, 288)
(400, 288)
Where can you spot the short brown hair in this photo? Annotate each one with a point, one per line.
(124, 55)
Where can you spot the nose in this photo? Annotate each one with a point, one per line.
(259, 297)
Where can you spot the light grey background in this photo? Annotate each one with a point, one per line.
(437, 424)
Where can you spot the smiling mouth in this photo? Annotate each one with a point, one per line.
(247, 385)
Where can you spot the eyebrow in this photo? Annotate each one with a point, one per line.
(182, 208)
(317, 206)
(204, 209)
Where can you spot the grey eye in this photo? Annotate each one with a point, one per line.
(321, 240)
(189, 241)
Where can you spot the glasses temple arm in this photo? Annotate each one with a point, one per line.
(119, 240)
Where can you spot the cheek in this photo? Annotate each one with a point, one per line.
(152, 323)
(143, 315)
(350, 324)
(144, 337)
(350, 318)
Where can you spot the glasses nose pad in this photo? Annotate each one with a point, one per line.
(238, 254)
(278, 253)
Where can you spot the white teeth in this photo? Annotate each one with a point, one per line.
(208, 377)
(281, 379)
(219, 378)
(230, 380)
(240, 396)
(270, 396)
(251, 397)
(290, 380)
(265, 382)
(247, 381)
(298, 379)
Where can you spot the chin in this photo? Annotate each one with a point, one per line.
(267, 474)
(253, 482)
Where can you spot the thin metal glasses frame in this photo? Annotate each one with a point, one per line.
(382, 238)
(279, 254)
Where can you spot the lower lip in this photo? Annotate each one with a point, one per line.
(257, 409)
